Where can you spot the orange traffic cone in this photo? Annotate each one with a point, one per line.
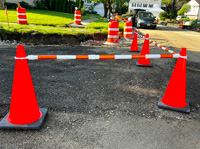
(24, 110)
(134, 46)
(145, 50)
(175, 94)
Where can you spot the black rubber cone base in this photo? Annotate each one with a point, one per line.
(143, 65)
(164, 106)
(134, 51)
(4, 124)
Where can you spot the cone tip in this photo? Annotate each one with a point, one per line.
(20, 47)
(135, 31)
(183, 52)
(20, 51)
(147, 35)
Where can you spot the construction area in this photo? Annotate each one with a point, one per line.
(110, 103)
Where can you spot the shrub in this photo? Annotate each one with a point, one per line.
(25, 5)
(163, 14)
(185, 19)
(11, 5)
(162, 18)
(129, 14)
(83, 10)
(185, 8)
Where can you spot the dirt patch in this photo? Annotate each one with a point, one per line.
(44, 39)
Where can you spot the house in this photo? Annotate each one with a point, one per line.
(99, 8)
(1, 3)
(194, 13)
(153, 6)
(88, 4)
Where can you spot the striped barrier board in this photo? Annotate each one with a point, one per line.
(99, 57)
(158, 45)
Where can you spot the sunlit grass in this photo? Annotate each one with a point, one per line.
(42, 17)
(18, 28)
(102, 23)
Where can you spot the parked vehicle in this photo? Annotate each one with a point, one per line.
(144, 19)
(180, 17)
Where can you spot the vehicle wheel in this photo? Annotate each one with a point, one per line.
(154, 27)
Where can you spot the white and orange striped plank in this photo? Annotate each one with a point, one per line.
(101, 57)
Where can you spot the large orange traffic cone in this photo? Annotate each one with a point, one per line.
(134, 46)
(175, 94)
(24, 110)
(145, 50)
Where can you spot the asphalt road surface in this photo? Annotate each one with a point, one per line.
(102, 104)
(175, 39)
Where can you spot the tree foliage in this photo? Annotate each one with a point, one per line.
(184, 9)
(173, 6)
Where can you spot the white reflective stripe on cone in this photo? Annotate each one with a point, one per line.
(93, 56)
(111, 36)
(123, 56)
(113, 29)
(127, 27)
(127, 32)
(66, 56)
(178, 55)
(22, 19)
(77, 19)
(77, 14)
(21, 14)
(153, 56)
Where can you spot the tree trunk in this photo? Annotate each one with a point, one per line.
(166, 7)
(109, 7)
(105, 9)
(172, 10)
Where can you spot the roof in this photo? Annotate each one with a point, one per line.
(198, 1)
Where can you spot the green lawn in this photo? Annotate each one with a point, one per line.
(102, 23)
(42, 17)
(18, 28)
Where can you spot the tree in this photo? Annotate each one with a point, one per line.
(122, 6)
(184, 9)
(171, 5)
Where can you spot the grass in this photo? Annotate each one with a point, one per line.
(46, 22)
(102, 23)
(43, 17)
(18, 28)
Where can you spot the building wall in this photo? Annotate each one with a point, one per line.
(1, 3)
(30, 2)
(99, 9)
(194, 12)
(153, 6)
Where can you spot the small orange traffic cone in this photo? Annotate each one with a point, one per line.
(24, 110)
(134, 46)
(175, 94)
(145, 50)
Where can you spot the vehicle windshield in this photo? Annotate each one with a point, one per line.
(146, 15)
